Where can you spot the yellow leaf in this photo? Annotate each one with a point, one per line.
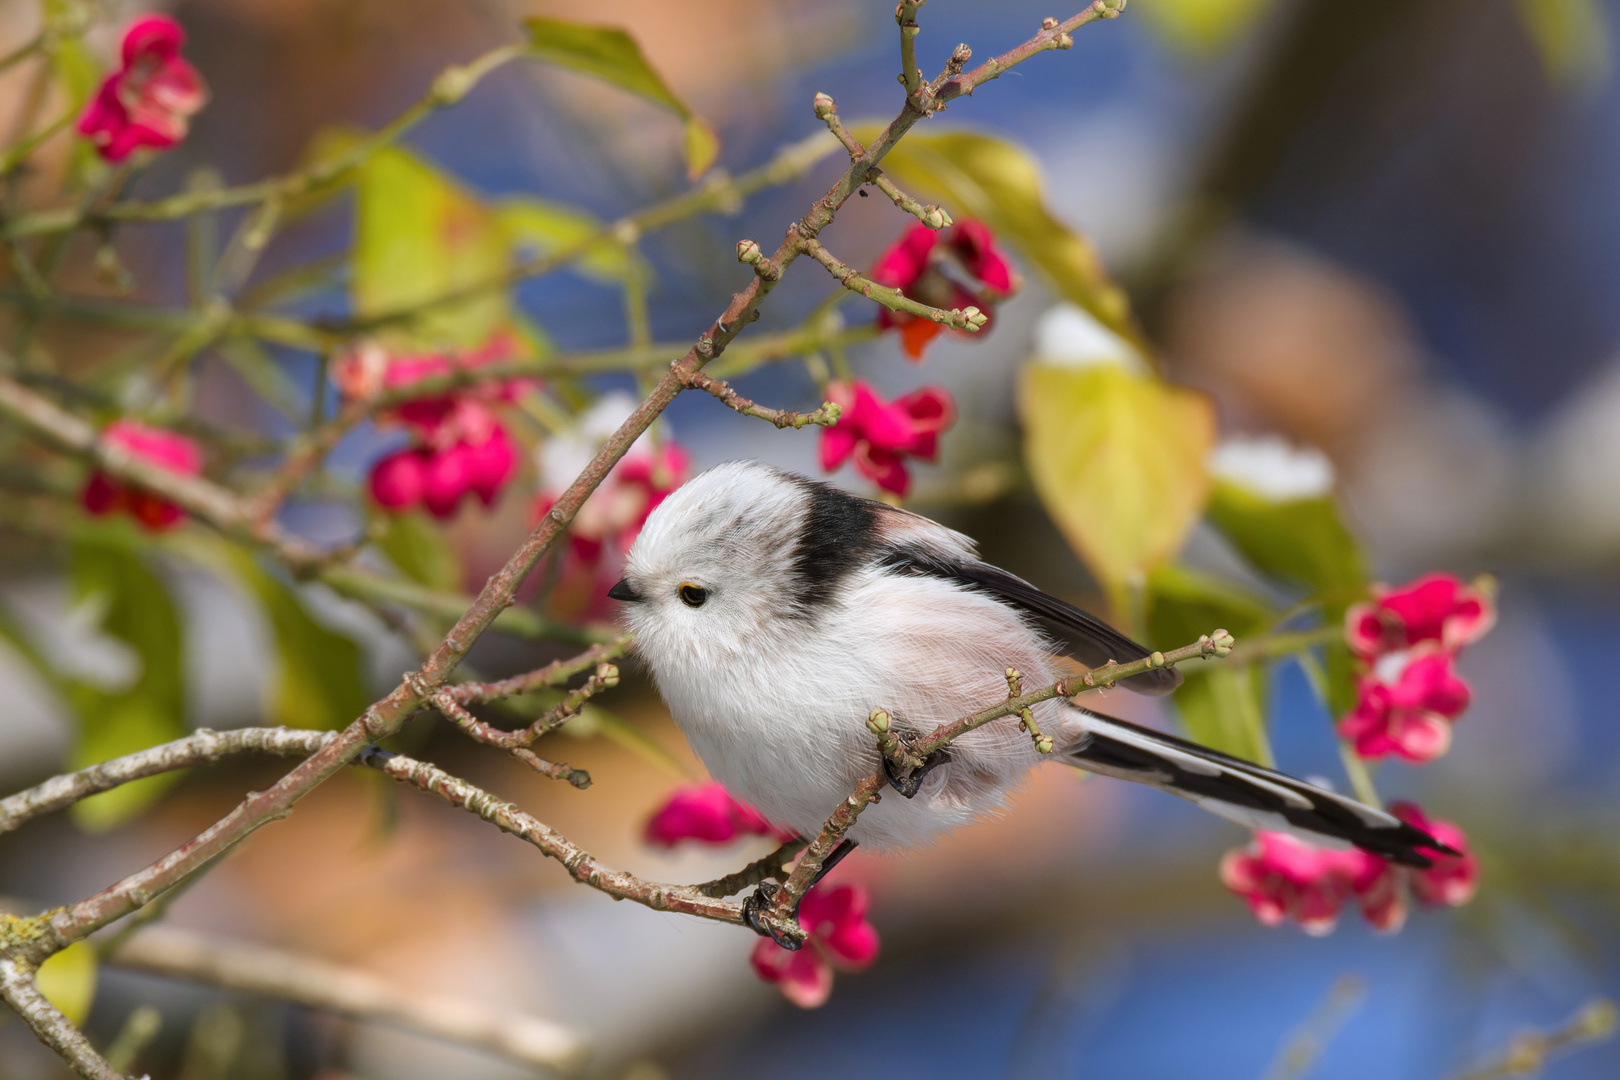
(1118, 459)
(611, 54)
(68, 980)
(1201, 27)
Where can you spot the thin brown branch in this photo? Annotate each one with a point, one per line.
(553, 674)
(553, 770)
(605, 677)
(754, 873)
(319, 984)
(1053, 35)
(585, 869)
(905, 14)
(199, 748)
(969, 318)
(826, 416)
(930, 215)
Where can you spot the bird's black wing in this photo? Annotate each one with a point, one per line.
(1090, 640)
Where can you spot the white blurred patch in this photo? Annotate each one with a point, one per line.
(1272, 467)
(1067, 336)
(1576, 470)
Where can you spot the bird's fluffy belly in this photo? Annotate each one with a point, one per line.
(786, 730)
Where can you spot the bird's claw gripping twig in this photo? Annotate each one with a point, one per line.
(911, 782)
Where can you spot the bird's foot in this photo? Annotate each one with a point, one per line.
(763, 898)
(910, 784)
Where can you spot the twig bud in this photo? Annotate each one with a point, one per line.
(609, 674)
(1064, 41)
(935, 218)
(748, 252)
(1049, 23)
(878, 722)
(973, 318)
(824, 106)
(1156, 660)
(1221, 643)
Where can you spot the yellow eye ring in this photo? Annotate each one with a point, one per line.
(692, 595)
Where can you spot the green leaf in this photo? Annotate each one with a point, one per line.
(980, 176)
(1202, 27)
(1571, 37)
(68, 981)
(1184, 603)
(135, 608)
(1118, 460)
(613, 55)
(317, 683)
(1303, 541)
(123, 726)
(1221, 704)
(420, 551)
(421, 236)
(539, 227)
(1224, 708)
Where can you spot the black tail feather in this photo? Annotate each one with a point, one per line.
(1245, 792)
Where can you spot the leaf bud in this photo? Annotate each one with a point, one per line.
(824, 106)
(973, 318)
(1064, 41)
(878, 722)
(1049, 23)
(748, 252)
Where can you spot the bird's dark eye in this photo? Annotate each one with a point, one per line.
(693, 595)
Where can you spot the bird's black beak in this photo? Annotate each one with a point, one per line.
(623, 591)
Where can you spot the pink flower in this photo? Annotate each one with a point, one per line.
(706, 812)
(104, 495)
(881, 436)
(149, 99)
(1405, 706)
(1434, 608)
(461, 446)
(840, 937)
(1452, 879)
(612, 517)
(1283, 877)
(915, 266)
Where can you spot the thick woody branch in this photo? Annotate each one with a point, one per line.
(18, 990)
(318, 984)
(907, 758)
(969, 318)
(683, 899)
(826, 416)
(200, 748)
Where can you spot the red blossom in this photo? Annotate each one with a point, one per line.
(103, 494)
(1452, 879)
(148, 101)
(915, 265)
(1437, 608)
(706, 812)
(1283, 877)
(1405, 706)
(834, 916)
(460, 446)
(882, 435)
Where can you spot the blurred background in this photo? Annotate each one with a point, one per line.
(1389, 228)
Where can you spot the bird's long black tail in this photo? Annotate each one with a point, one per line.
(1244, 792)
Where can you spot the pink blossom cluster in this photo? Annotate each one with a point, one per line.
(168, 450)
(707, 813)
(919, 264)
(833, 915)
(149, 100)
(1283, 877)
(1408, 639)
(460, 446)
(612, 517)
(881, 435)
(840, 938)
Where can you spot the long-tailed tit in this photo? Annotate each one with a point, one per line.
(777, 612)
